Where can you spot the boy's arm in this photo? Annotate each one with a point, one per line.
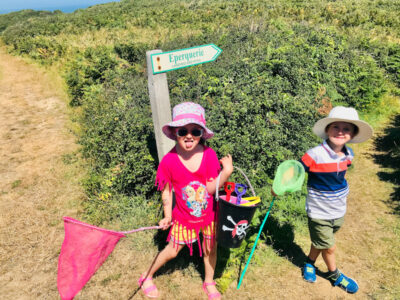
(227, 169)
(166, 197)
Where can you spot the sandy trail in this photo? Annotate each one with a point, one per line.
(34, 189)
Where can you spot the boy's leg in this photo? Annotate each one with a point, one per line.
(329, 258)
(313, 254)
(168, 253)
(309, 272)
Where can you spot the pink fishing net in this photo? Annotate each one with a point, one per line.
(83, 251)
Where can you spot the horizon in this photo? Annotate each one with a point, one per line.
(66, 6)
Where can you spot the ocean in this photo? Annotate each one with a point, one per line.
(65, 8)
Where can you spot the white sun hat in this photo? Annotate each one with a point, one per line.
(187, 113)
(344, 114)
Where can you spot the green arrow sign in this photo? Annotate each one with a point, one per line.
(182, 58)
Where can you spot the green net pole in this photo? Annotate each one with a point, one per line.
(255, 243)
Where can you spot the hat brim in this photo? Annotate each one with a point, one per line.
(364, 129)
(169, 132)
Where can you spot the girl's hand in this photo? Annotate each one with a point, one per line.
(227, 164)
(165, 223)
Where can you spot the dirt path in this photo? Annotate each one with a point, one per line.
(36, 188)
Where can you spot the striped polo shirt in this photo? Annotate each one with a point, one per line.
(327, 187)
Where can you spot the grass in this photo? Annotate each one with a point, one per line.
(16, 184)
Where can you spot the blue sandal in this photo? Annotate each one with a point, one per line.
(347, 284)
(309, 273)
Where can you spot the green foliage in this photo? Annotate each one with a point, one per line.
(8, 20)
(132, 52)
(118, 132)
(387, 56)
(89, 68)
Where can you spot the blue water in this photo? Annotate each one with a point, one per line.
(64, 7)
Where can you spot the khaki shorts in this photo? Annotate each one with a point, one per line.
(322, 232)
(187, 236)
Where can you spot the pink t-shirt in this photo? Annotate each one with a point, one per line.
(194, 208)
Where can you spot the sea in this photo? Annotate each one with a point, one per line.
(64, 8)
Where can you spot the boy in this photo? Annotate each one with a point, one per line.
(327, 188)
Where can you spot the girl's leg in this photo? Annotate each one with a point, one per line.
(210, 261)
(329, 258)
(168, 253)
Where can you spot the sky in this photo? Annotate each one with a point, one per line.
(7, 6)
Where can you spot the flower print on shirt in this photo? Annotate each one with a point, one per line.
(195, 194)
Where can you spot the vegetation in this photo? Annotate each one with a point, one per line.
(284, 64)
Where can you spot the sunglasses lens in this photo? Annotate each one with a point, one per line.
(182, 132)
(197, 132)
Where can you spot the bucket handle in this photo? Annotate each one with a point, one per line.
(244, 175)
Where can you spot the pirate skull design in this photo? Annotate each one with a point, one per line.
(240, 228)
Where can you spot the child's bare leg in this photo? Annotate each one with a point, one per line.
(314, 253)
(329, 258)
(210, 261)
(168, 253)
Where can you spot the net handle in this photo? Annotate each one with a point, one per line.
(141, 229)
(71, 220)
(244, 175)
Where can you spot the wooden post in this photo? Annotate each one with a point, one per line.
(160, 106)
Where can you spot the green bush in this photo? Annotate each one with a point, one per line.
(262, 97)
(89, 68)
(9, 20)
(44, 49)
(132, 52)
(387, 56)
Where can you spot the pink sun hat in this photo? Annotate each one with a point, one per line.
(187, 113)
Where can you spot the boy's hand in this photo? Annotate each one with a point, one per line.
(165, 223)
(227, 164)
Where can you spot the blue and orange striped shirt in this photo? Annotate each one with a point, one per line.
(327, 187)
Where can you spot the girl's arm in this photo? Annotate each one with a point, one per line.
(227, 169)
(166, 197)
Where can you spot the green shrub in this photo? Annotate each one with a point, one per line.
(132, 52)
(89, 68)
(262, 97)
(387, 56)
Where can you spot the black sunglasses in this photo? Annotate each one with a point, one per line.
(181, 132)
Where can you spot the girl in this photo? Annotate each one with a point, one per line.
(190, 170)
